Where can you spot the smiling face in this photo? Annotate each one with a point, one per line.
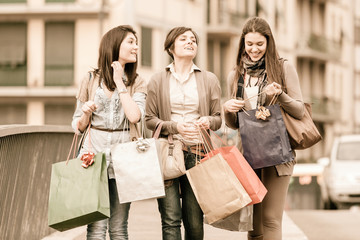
(185, 46)
(128, 49)
(255, 45)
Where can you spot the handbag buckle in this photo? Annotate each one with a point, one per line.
(142, 145)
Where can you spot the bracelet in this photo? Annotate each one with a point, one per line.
(281, 93)
(123, 90)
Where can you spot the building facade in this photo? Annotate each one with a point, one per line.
(47, 46)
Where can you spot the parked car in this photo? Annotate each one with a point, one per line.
(341, 176)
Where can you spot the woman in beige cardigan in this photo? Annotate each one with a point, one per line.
(181, 97)
(258, 76)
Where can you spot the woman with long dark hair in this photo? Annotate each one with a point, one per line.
(256, 79)
(112, 100)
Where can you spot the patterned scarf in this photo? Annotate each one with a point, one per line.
(254, 69)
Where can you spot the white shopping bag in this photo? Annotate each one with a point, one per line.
(137, 170)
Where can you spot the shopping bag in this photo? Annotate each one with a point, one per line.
(243, 171)
(265, 141)
(137, 170)
(216, 188)
(240, 221)
(78, 196)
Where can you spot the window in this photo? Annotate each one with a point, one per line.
(59, 1)
(357, 34)
(13, 54)
(12, 1)
(12, 114)
(59, 114)
(59, 54)
(146, 49)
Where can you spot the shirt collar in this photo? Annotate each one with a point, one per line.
(170, 68)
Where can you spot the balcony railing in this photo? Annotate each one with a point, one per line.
(324, 109)
(319, 47)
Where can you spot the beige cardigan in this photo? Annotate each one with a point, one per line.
(292, 102)
(158, 101)
(90, 83)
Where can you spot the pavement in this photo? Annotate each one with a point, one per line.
(144, 224)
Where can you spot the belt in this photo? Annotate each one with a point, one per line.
(110, 130)
(198, 150)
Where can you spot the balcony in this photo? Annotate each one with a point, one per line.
(318, 48)
(225, 22)
(53, 11)
(324, 109)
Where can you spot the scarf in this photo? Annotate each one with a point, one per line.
(254, 69)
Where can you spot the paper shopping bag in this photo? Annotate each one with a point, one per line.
(137, 170)
(216, 188)
(78, 196)
(240, 221)
(265, 141)
(243, 171)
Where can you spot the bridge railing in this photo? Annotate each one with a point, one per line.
(26, 155)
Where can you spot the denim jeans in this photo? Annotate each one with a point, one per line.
(117, 223)
(171, 211)
(192, 214)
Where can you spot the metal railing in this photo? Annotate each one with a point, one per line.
(26, 155)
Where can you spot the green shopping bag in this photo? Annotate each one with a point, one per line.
(78, 196)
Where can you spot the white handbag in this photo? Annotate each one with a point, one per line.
(171, 155)
(137, 170)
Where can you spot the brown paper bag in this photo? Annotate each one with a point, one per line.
(217, 189)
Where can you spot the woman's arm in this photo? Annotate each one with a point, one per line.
(215, 106)
(292, 101)
(230, 106)
(153, 104)
(131, 108)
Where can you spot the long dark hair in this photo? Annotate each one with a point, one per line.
(109, 52)
(273, 65)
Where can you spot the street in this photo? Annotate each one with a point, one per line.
(328, 224)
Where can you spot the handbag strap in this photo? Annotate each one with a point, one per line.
(157, 131)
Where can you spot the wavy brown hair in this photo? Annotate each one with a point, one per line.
(273, 65)
(109, 52)
(173, 34)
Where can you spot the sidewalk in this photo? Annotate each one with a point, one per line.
(144, 224)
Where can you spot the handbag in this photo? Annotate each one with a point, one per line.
(302, 132)
(171, 155)
(78, 196)
(240, 221)
(137, 170)
(216, 188)
(264, 137)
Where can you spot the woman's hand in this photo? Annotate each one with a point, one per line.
(118, 74)
(188, 130)
(88, 108)
(203, 122)
(273, 89)
(233, 105)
